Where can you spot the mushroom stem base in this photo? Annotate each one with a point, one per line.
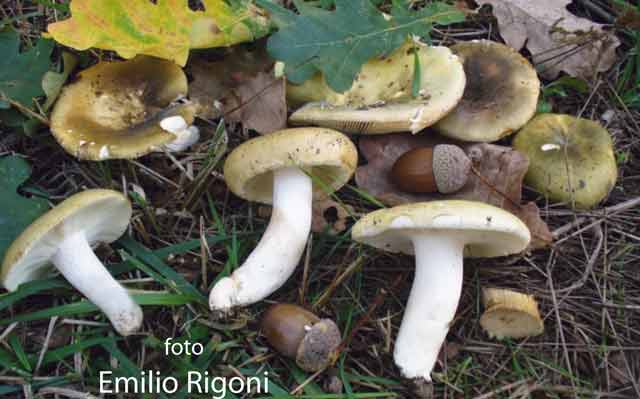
(277, 254)
(432, 303)
(77, 262)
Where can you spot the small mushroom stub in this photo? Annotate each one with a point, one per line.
(500, 97)
(439, 234)
(62, 239)
(120, 109)
(381, 99)
(301, 335)
(510, 314)
(444, 168)
(570, 159)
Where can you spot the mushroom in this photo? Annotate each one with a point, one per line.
(63, 238)
(510, 314)
(125, 109)
(439, 233)
(570, 159)
(443, 168)
(381, 98)
(301, 335)
(500, 97)
(288, 169)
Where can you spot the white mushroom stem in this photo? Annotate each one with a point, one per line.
(186, 135)
(79, 265)
(280, 248)
(432, 302)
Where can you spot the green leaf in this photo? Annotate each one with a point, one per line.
(337, 43)
(21, 73)
(16, 211)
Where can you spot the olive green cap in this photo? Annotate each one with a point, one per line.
(114, 109)
(570, 159)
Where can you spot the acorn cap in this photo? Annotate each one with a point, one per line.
(380, 100)
(510, 314)
(500, 97)
(102, 215)
(328, 156)
(451, 167)
(488, 231)
(570, 159)
(113, 110)
(318, 349)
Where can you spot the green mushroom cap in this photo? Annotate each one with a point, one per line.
(571, 159)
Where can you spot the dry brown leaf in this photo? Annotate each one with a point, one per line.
(557, 39)
(242, 88)
(502, 169)
(332, 214)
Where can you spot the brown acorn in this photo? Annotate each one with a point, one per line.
(444, 168)
(301, 335)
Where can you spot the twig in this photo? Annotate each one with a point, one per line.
(590, 263)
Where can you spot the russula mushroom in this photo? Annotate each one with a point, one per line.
(500, 97)
(288, 168)
(301, 335)
(381, 98)
(63, 238)
(443, 168)
(125, 109)
(570, 159)
(439, 234)
(510, 314)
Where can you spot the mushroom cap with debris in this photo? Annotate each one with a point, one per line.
(113, 110)
(570, 159)
(101, 215)
(381, 98)
(328, 156)
(488, 231)
(500, 97)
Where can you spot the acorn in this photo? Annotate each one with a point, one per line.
(444, 169)
(301, 335)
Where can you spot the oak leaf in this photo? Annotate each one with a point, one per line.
(557, 39)
(166, 29)
(502, 170)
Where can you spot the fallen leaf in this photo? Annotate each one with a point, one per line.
(241, 87)
(357, 32)
(16, 212)
(557, 39)
(21, 73)
(502, 170)
(330, 214)
(166, 29)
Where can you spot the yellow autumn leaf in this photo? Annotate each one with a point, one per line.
(167, 29)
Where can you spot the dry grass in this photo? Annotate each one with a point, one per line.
(587, 283)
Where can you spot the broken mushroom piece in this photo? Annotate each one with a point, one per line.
(381, 98)
(125, 109)
(63, 238)
(301, 335)
(570, 159)
(510, 314)
(288, 168)
(500, 97)
(443, 168)
(439, 233)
